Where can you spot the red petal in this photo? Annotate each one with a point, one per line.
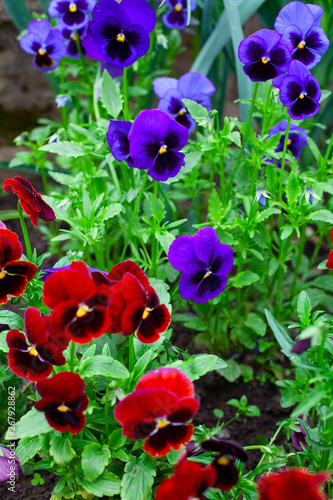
(48, 403)
(63, 385)
(153, 300)
(128, 266)
(34, 326)
(132, 317)
(92, 325)
(12, 285)
(67, 284)
(10, 247)
(132, 289)
(117, 308)
(50, 353)
(168, 438)
(156, 322)
(332, 234)
(24, 190)
(22, 268)
(72, 421)
(25, 365)
(63, 314)
(329, 263)
(29, 211)
(169, 378)
(46, 213)
(17, 339)
(79, 265)
(183, 411)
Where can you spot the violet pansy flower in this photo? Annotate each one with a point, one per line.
(45, 44)
(9, 464)
(261, 196)
(298, 438)
(300, 24)
(265, 55)
(122, 30)
(73, 13)
(299, 91)
(71, 36)
(155, 141)
(117, 137)
(177, 18)
(297, 138)
(204, 262)
(194, 86)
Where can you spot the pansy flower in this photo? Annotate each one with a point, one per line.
(117, 137)
(63, 401)
(71, 36)
(80, 307)
(301, 345)
(14, 273)
(299, 91)
(300, 24)
(265, 55)
(122, 30)
(193, 86)
(36, 359)
(72, 13)
(204, 262)
(292, 484)
(297, 138)
(31, 202)
(261, 195)
(329, 263)
(188, 481)
(158, 411)
(9, 464)
(155, 141)
(46, 44)
(177, 18)
(297, 439)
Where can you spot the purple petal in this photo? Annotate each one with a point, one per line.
(317, 12)
(176, 136)
(181, 252)
(202, 99)
(261, 72)
(251, 49)
(144, 148)
(167, 165)
(117, 138)
(105, 8)
(290, 89)
(304, 108)
(55, 40)
(155, 121)
(312, 88)
(204, 242)
(140, 12)
(175, 20)
(75, 20)
(299, 70)
(40, 28)
(193, 83)
(29, 43)
(171, 102)
(162, 85)
(294, 13)
(92, 48)
(222, 259)
(190, 280)
(186, 121)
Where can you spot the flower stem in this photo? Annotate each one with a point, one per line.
(285, 145)
(246, 136)
(106, 410)
(72, 356)
(85, 72)
(130, 353)
(125, 95)
(268, 100)
(25, 232)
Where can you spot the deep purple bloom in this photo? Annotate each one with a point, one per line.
(73, 13)
(300, 24)
(298, 438)
(117, 137)
(194, 86)
(299, 90)
(297, 138)
(204, 262)
(71, 35)
(265, 55)
(155, 141)
(177, 18)
(9, 464)
(301, 345)
(45, 44)
(122, 30)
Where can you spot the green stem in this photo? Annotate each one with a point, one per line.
(222, 177)
(129, 232)
(95, 102)
(25, 232)
(125, 95)
(44, 178)
(326, 157)
(268, 100)
(72, 356)
(99, 257)
(326, 453)
(164, 196)
(246, 136)
(285, 145)
(316, 249)
(174, 290)
(130, 353)
(85, 72)
(271, 442)
(300, 248)
(106, 410)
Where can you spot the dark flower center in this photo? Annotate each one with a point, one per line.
(146, 312)
(264, 60)
(301, 44)
(223, 461)
(162, 422)
(208, 273)
(41, 51)
(120, 37)
(72, 7)
(182, 112)
(289, 142)
(32, 351)
(302, 95)
(63, 408)
(178, 7)
(83, 309)
(3, 274)
(163, 149)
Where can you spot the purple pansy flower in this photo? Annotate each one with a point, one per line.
(298, 438)
(300, 24)
(297, 138)
(265, 55)
(45, 44)
(122, 30)
(261, 196)
(73, 13)
(194, 86)
(117, 137)
(204, 262)
(71, 35)
(9, 465)
(177, 18)
(155, 141)
(299, 90)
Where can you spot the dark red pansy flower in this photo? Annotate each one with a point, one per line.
(292, 484)
(158, 411)
(80, 307)
(36, 359)
(14, 273)
(224, 463)
(57, 336)
(189, 481)
(137, 309)
(30, 201)
(329, 263)
(117, 272)
(63, 401)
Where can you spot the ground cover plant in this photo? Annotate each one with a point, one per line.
(160, 211)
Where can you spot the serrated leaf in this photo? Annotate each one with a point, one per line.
(107, 484)
(13, 320)
(165, 240)
(103, 365)
(138, 479)
(292, 189)
(64, 148)
(304, 308)
(245, 278)
(157, 207)
(111, 211)
(61, 449)
(199, 365)
(31, 424)
(214, 206)
(94, 459)
(322, 215)
(267, 213)
(280, 334)
(27, 448)
(311, 400)
(110, 96)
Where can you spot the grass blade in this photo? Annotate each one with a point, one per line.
(18, 12)
(45, 5)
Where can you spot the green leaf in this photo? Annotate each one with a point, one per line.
(280, 334)
(311, 400)
(165, 240)
(214, 206)
(256, 324)
(95, 458)
(31, 424)
(325, 282)
(138, 478)
(111, 211)
(199, 365)
(13, 320)
(267, 213)
(27, 448)
(322, 215)
(272, 266)
(103, 365)
(141, 365)
(110, 96)
(196, 110)
(61, 449)
(19, 13)
(107, 484)
(314, 148)
(286, 232)
(157, 208)
(292, 189)
(64, 148)
(232, 372)
(304, 308)
(245, 278)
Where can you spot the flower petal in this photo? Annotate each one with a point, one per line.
(181, 252)
(140, 12)
(193, 83)
(162, 85)
(169, 378)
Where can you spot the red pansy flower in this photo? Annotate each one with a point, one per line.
(292, 484)
(189, 480)
(118, 271)
(63, 401)
(30, 201)
(329, 263)
(158, 411)
(57, 336)
(14, 273)
(35, 360)
(137, 309)
(80, 307)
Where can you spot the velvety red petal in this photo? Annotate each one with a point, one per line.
(63, 314)
(132, 317)
(22, 268)
(79, 265)
(168, 438)
(57, 336)
(34, 325)
(72, 421)
(227, 474)
(67, 284)
(153, 300)
(168, 378)
(183, 411)
(128, 266)
(79, 403)
(10, 247)
(26, 365)
(17, 339)
(139, 429)
(145, 404)
(50, 352)
(12, 285)
(156, 322)
(132, 289)
(49, 403)
(329, 263)
(292, 484)
(46, 213)
(92, 325)
(102, 297)
(117, 308)
(29, 211)
(63, 385)
(332, 234)
(23, 189)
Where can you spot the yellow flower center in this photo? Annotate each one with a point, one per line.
(82, 310)
(288, 142)
(178, 7)
(301, 45)
(74, 38)
(223, 461)
(120, 37)
(162, 423)
(146, 313)
(3, 274)
(302, 95)
(208, 273)
(72, 7)
(41, 52)
(63, 408)
(33, 351)
(163, 150)
(182, 112)
(264, 60)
